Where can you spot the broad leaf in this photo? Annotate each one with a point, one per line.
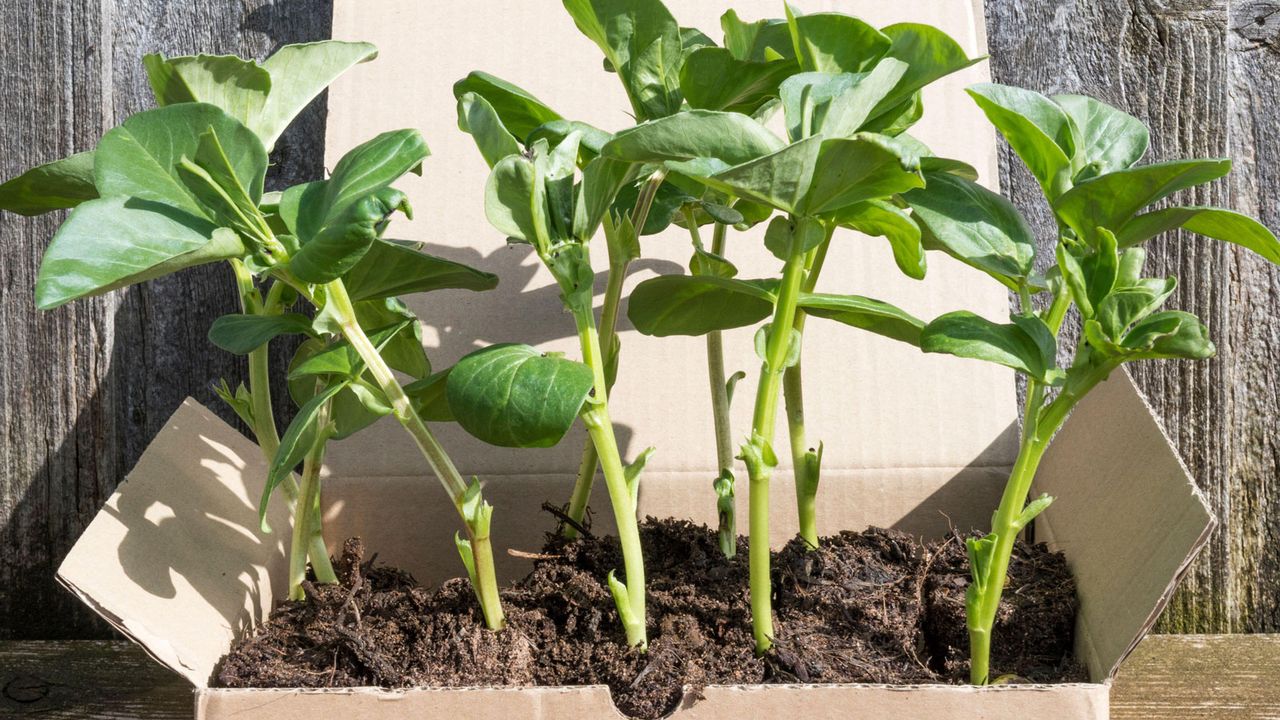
(509, 198)
(806, 98)
(929, 53)
(520, 112)
(57, 185)
(515, 396)
(1111, 200)
(1037, 129)
(729, 137)
(236, 85)
(713, 79)
(779, 180)
(884, 219)
(756, 41)
(430, 397)
(393, 268)
(851, 109)
(140, 157)
(864, 167)
(298, 74)
(477, 117)
(1127, 305)
(697, 304)
(875, 316)
(1108, 139)
(641, 41)
(1022, 345)
(344, 239)
(974, 225)
(113, 242)
(835, 43)
(1189, 341)
(242, 334)
(1216, 223)
(214, 184)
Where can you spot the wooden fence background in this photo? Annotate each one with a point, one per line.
(84, 388)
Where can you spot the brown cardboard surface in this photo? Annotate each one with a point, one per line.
(813, 702)
(876, 403)
(1127, 515)
(175, 560)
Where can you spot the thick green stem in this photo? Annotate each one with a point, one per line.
(804, 460)
(264, 420)
(600, 427)
(758, 452)
(486, 580)
(619, 263)
(440, 462)
(304, 515)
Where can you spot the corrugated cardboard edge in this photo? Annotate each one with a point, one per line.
(814, 702)
(1121, 397)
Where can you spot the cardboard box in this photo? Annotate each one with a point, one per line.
(919, 443)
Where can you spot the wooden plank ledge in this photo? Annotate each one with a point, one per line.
(1188, 677)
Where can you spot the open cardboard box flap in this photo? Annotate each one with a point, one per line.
(918, 442)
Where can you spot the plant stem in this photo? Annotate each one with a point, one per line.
(600, 427)
(758, 452)
(619, 263)
(725, 510)
(305, 515)
(440, 462)
(264, 421)
(804, 466)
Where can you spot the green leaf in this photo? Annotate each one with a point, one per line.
(806, 98)
(1127, 305)
(213, 183)
(515, 396)
(519, 111)
(705, 262)
(140, 157)
(864, 313)
(352, 409)
(1032, 509)
(884, 219)
(238, 86)
(241, 334)
(1111, 200)
(609, 183)
(697, 304)
(1108, 139)
(430, 397)
(981, 552)
(391, 268)
(850, 110)
(713, 79)
(113, 242)
(930, 55)
(631, 473)
(344, 239)
(510, 194)
(298, 74)
(339, 359)
(298, 439)
(239, 401)
(477, 117)
(641, 41)
(779, 180)
(864, 167)
(1020, 345)
(1188, 341)
(729, 137)
(835, 43)
(974, 225)
(57, 185)
(756, 41)
(1217, 223)
(1037, 129)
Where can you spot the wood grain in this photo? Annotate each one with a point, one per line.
(1203, 76)
(84, 388)
(1192, 677)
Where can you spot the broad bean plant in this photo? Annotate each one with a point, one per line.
(1084, 154)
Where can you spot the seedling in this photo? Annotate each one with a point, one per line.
(537, 195)
(1084, 155)
(182, 185)
(845, 164)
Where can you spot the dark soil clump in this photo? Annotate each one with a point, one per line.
(870, 607)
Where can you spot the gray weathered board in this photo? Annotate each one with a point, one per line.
(1169, 677)
(83, 389)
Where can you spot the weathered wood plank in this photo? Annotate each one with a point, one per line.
(84, 388)
(1200, 677)
(1193, 677)
(1206, 84)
